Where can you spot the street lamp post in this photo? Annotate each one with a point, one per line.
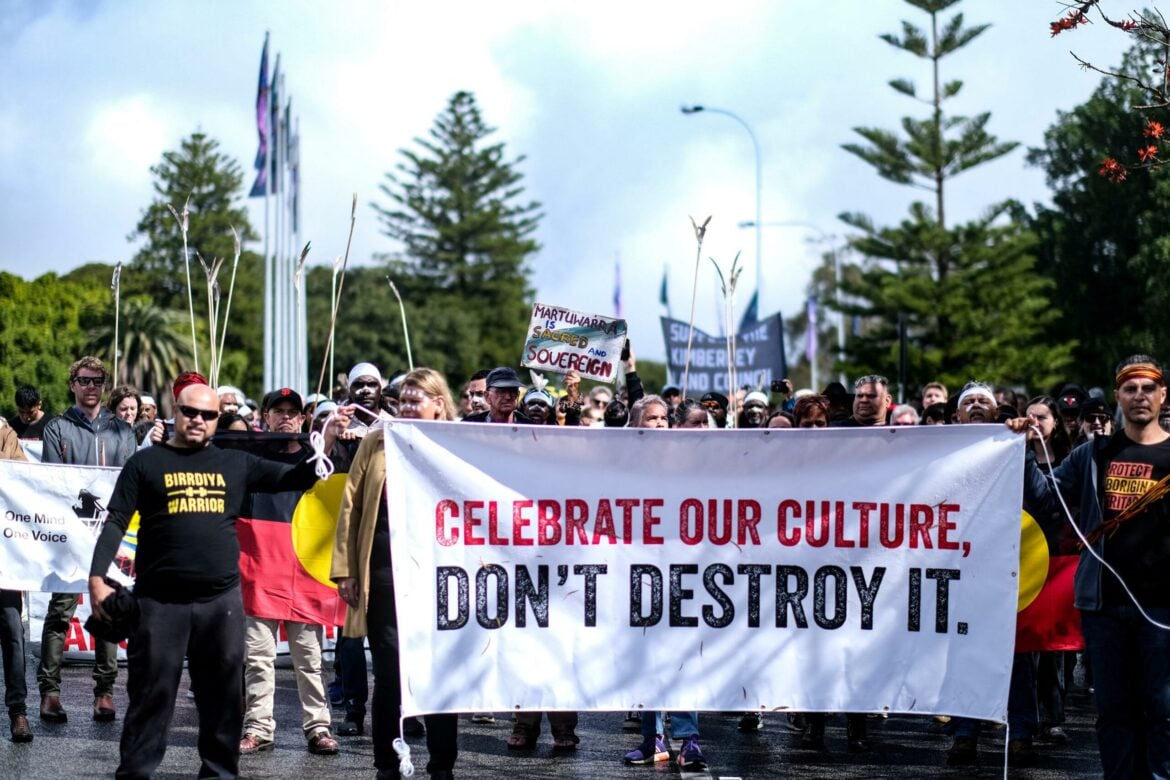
(695, 109)
(836, 279)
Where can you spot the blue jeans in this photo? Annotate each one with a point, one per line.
(1131, 675)
(682, 725)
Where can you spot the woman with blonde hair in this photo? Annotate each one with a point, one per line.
(361, 569)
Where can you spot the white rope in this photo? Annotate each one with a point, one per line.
(324, 467)
(1068, 514)
(405, 767)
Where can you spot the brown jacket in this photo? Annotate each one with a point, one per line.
(364, 488)
(9, 444)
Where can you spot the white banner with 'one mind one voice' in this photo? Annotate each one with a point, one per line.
(845, 570)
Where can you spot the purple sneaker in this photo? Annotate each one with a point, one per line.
(691, 756)
(649, 752)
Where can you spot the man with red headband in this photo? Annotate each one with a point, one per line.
(1120, 483)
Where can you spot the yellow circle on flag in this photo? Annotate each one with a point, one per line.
(314, 524)
(1033, 561)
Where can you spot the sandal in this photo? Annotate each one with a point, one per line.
(521, 740)
(566, 742)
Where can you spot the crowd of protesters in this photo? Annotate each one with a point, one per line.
(1075, 437)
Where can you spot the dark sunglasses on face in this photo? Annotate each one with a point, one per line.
(87, 381)
(190, 412)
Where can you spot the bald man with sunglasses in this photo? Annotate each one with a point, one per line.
(188, 494)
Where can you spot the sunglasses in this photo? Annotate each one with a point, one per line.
(190, 412)
(90, 381)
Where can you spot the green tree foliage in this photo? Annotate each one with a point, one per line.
(43, 329)
(972, 303)
(1106, 245)
(213, 182)
(455, 208)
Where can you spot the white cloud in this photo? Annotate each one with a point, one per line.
(124, 138)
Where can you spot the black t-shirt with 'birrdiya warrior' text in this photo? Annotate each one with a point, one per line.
(188, 501)
(1139, 549)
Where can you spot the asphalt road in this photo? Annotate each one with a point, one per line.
(902, 747)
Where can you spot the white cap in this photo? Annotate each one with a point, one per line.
(324, 409)
(364, 369)
(316, 398)
(757, 396)
(223, 390)
(148, 399)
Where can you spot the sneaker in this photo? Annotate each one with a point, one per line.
(691, 756)
(753, 721)
(1055, 735)
(483, 718)
(648, 752)
(633, 722)
(964, 752)
(352, 726)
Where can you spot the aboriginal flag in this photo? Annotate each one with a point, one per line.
(1047, 619)
(286, 542)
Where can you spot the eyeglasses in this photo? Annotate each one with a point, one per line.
(871, 379)
(507, 392)
(190, 412)
(90, 381)
(1097, 418)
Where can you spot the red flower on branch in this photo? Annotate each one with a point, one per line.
(1153, 129)
(1068, 22)
(1148, 153)
(1112, 170)
(1127, 25)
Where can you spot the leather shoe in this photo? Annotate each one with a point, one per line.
(51, 709)
(322, 743)
(103, 708)
(20, 730)
(254, 743)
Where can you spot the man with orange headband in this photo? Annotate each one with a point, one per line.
(1122, 585)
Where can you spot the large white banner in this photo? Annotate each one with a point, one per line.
(50, 518)
(829, 570)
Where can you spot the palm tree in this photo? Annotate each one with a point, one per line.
(154, 347)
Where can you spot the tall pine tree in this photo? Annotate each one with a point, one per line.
(213, 181)
(968, 294)
(456, 208)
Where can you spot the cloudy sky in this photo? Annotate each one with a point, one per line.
(92, 93)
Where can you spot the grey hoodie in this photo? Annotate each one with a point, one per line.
(73, 439)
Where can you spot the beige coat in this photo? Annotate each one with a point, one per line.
(364, 488)
(9, 445)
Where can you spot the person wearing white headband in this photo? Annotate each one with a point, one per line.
(977, 404)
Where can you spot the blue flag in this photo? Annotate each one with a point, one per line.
(260, 188)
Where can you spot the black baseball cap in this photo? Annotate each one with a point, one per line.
(503, 377)
(718, 398)
(283, 394)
